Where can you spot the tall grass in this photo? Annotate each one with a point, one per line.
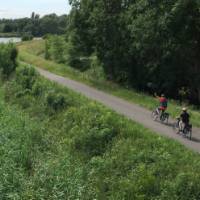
(82, 150)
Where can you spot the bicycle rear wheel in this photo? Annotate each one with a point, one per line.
(189, 133)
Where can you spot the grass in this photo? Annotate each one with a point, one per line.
(32, 53)
(83, 150)
(35, 47)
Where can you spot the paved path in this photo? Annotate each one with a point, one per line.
(130, 110)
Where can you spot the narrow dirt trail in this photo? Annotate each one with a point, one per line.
(130, 110)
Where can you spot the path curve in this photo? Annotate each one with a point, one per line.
(130, 110)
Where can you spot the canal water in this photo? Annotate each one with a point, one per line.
(12, 39)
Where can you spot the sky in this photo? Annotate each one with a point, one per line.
(24, 8)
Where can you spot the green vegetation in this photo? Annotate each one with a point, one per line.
(8, 35)
(36, 26)
(145, 44)
(8, 55)
(56, 48)
(33, 53)
(57, 144)
(27, 37)
(35, 47)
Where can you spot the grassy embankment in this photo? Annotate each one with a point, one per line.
(56, 144)
(33, 53)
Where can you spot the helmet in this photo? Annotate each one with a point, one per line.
(162, 95)
(184, 109)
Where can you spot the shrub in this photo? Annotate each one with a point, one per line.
(8, 56)
(22, 93)
(58, 49)
(55, 48)
(190, 181)
(27, 37)
(46, 36)
(80, 63)
(96, 71)
(26, 77)
(91, 133)
(56, 101)
(47, 54)
(26, 101)
(94, 142)
(76, 59)
(38, 88)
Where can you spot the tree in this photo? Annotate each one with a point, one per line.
(35, 25)
(49, 24)
(7, 28)
(142, 41)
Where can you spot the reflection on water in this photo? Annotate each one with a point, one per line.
(13, 39)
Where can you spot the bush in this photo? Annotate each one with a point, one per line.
(96, 71)
(80, 63)
(22, 93)
(25, 100)
(38, 88)
(47, 53)
(46, 36)
(56, 101)
(95, 141)
(8, 56)
(92, 134)
(77, 59)
(55, 48)
(27, 37)
(26, 77)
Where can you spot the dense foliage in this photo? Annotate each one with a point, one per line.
(56, 48)
(27, 37)
(35, 25)
(146, 44)
(60, 50)
(84, 151)
(8, 56)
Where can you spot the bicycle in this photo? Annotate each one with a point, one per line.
(186, 132)
(163, 116)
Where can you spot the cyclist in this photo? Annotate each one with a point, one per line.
(163, 104)
(184, 120)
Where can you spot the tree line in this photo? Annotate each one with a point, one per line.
(150, 45)
(35, 25)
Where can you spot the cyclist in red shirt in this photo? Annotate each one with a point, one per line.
(163, 104)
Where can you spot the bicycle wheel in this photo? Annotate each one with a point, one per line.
(154, 115)
(164, 117)
(167, 118)
(175, 127)
(189, 133)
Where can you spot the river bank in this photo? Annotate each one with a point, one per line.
(8, 35)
